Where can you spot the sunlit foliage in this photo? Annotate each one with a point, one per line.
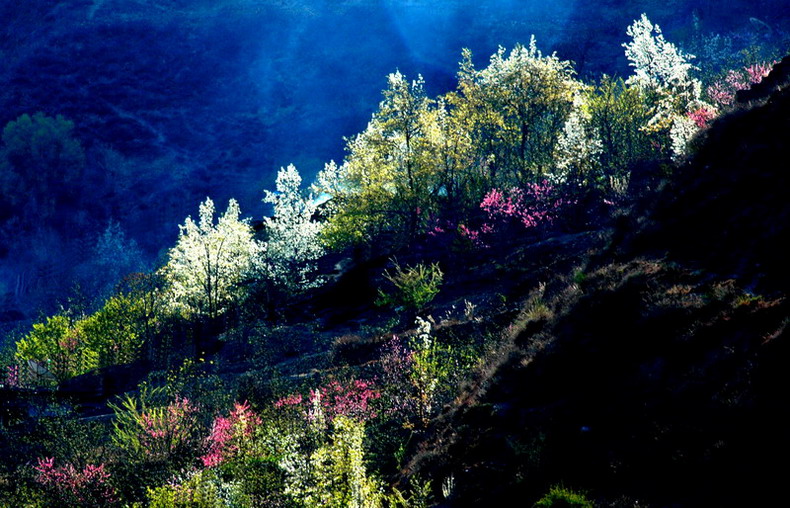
(287, 257)
(663, 72)
(63, 347)
(519, 103)
(210, 260)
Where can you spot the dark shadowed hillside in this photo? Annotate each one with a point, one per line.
(659, 381)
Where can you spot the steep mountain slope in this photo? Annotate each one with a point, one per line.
(660, 380)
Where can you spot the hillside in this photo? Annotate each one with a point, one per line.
(657, 379)
(540, 286)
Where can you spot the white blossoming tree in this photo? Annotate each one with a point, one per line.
(657, 63)
(209, 262)
(578, 149)
(664, 71)
(287, 257)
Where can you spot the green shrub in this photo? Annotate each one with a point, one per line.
(561, 497)
(62, 347)
(116, 331)
(199, 490)
(413, 287)
(335, 475)
(55, 351)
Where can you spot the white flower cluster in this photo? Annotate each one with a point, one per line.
(657, 63)
(211, 259)
(578, 147)
(287, 256)
(663, 69)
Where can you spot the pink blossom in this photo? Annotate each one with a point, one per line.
(291, 400)
(531, 206)
(12, 376)
(165, 430)
(757, 72)
(230, 436)
(472, 235)
(720, 94)
(352, 399)
(701, 117)
(71, 486)
(723, 92)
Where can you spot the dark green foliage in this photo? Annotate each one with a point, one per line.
(41, 163)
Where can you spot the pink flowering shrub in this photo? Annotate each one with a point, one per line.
(722, 92)
(12, 376)
(535, 205)
(757, 72)
(353, 399)
(701, 117)
(165, 431)
(148, 430)
(231, 436)
(71, 487)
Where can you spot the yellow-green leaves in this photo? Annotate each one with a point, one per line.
(61, 347)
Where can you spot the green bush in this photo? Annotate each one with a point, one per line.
(62, 347)
(199, 490)
(412, 287)
(55, 351)
(561, 497)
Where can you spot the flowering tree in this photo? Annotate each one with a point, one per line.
(150, 430)
(386, 182)
(287, 257)
(657, 63)
(578, 150)
(231, 436)
(664, 72)
(519, 103)
(722, 92)
(210, 260)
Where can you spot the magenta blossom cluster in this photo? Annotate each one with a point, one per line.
(352, 399)
(72, 487)
(534, 205)
(231, 436)
(701, 117)
(166, 430)
(12, 376)
(723, 92)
